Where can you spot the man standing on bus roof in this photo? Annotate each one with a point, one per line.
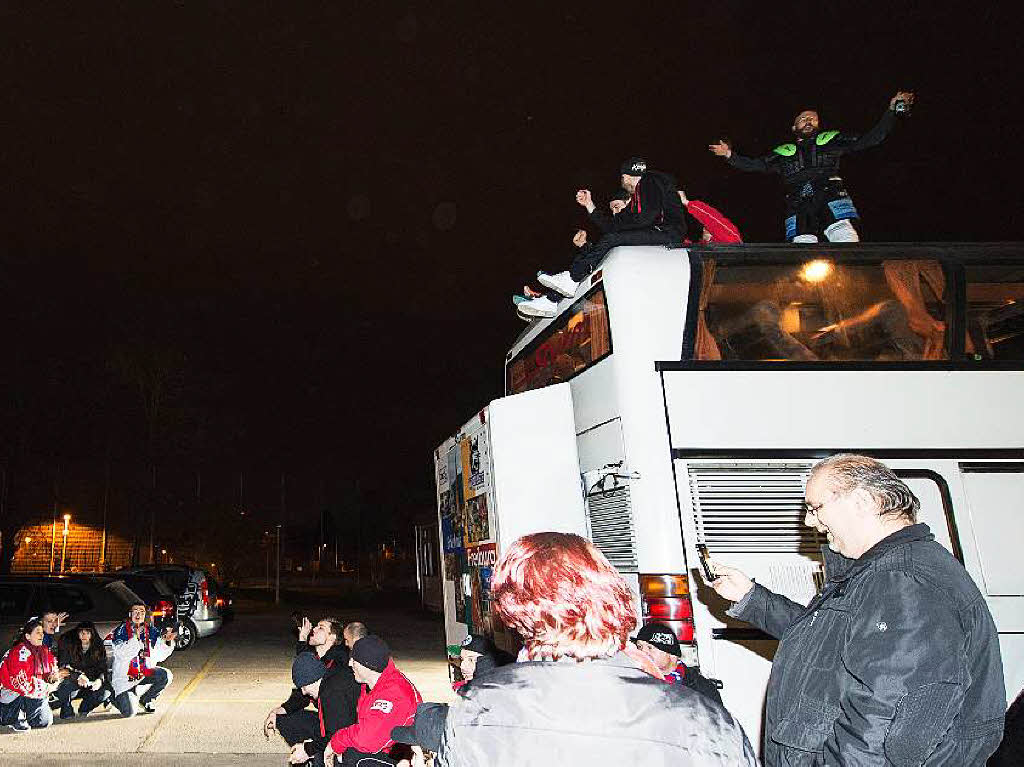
(653, 215)
(897, 660)
(816, 198)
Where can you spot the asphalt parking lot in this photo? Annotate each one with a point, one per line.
(212, 714)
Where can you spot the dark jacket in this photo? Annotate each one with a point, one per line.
(816, 158)
(654, 203)
(895, 662)
(336, 705)
(69, 655)
(336, 660)
(600, 712)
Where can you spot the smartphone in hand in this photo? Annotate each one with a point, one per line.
(704, 556)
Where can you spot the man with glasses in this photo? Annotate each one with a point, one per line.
(897, 660)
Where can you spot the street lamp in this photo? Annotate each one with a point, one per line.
(64, 549)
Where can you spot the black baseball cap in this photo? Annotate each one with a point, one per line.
(634, 166)
(661, 636)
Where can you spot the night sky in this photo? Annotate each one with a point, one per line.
(309, 218)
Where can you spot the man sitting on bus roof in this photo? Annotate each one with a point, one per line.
(897, 660)
(653, 216)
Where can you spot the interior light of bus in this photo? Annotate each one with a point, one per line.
(816, 270)
(664, 586)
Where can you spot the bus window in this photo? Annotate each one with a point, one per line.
(822, 310)
(995, 312)
(572, 343)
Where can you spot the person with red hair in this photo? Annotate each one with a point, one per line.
(579, 698)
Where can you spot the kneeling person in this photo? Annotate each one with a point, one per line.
(389, 701)
(333, 696)
(138, 648)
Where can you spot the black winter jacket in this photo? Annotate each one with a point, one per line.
(655, 203)
(337, 705)
(603, 712)
(814, 159)
(896, 662)
(337, 663)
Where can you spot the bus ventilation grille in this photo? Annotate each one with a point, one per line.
(749, 508)
(610, 517)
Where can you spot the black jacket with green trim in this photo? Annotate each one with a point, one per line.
(816, 158)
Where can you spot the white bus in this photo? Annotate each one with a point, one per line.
(699, 386)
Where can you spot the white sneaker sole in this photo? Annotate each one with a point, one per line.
(530, 311)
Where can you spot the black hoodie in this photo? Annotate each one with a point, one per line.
(336, 660)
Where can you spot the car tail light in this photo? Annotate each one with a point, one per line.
(666, 599)
(219, 602)
(163, 609)
(204, 588)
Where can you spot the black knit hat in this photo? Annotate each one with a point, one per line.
(371, 651)
(661, 636)
(306, 669)
(426, 729)
(635, 166)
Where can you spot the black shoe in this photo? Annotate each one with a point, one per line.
(67, 714)
(148, 708)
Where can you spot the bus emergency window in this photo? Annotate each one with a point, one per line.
(995, 312)
(821, 310)
(574, 342)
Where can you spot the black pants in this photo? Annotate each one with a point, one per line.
(353, 758)
(815, 206)
(298, 726)
(588, 259)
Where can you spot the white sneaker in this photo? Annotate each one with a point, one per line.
(523, 317)
(538, 307)
(560, 282)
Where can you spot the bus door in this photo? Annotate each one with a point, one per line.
(994, 497)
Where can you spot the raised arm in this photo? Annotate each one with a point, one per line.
(882, 128)
(751, 164)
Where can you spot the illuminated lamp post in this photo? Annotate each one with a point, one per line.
(64, 550)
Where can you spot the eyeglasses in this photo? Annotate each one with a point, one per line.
(812, 511)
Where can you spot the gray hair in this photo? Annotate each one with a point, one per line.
(849, 472)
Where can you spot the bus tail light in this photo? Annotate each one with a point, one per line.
(163, 609)
(204, 589)
(666, 599)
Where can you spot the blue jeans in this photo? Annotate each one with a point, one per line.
(37, 712)
(69, 689)
(156, 682)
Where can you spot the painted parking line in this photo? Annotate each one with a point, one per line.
(181, 697)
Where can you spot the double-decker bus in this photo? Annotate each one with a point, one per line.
(683, 395)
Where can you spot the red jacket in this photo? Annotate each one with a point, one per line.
(24, 669)
(391, 703)
(721, 229)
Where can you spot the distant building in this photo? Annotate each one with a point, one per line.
(40, 549)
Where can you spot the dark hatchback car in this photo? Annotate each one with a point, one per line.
(101, 599)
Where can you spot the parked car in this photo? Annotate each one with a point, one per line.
(158, 596)
(104, 600)
(196, 605)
